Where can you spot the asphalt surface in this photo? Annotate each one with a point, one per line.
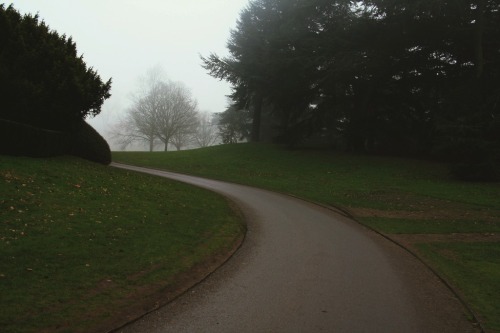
(306, 268)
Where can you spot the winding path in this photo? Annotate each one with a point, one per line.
(305, 268)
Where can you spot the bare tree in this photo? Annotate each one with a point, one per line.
(134, 129)
(176, 115)
(181, 140)
(162, 111)
(138, 124)
(207, 131)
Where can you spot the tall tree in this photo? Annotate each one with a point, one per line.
(42, 79)
(176, 112)
(446, 56)
(272, 63)
(162, 110)
(138, 126)
(383, 75)
(234, 125)
(245, 69)
(206, 132)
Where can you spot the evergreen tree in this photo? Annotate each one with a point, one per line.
(42, 79)
(393, 76)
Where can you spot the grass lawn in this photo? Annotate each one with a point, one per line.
(463, 263)
(84, 245)
(395, 196)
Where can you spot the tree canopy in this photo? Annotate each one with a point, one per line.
(234, 125)
(381, 76)
(43, 81)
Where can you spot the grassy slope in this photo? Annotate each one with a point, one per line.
(80, 241)
(392, 195)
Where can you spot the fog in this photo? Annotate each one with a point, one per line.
(122, 39)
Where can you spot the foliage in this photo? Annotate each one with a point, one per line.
(25, 140)
(43, 81)
(47, 92)
(234, 125)
(388, 76)
(80, 248)
(87, 143)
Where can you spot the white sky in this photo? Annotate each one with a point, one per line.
(122, 39)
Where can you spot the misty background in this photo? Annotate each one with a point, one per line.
(122, 39)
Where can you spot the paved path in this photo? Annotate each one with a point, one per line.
(304, 268)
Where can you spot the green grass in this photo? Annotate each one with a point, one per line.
(391, 195)
(368, 186)
(467, 264)
(79, 241)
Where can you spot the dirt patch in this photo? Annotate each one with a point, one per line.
(409, 240)
(432, 213)
(414, 206)
(458, 237)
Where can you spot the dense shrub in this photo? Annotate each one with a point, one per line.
(475, 171)
(43, 81)
(25, 140)
(87, 143)
(472, 159)
(47, 92)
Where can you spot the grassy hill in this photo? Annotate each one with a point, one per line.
(452, 225)
(86, 247)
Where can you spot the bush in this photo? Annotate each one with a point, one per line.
(43, 81)
(475, 171)
(473, 159)
(25, 140)
(47, 91)
(87, 143)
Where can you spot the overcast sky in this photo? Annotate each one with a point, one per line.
(122, 39)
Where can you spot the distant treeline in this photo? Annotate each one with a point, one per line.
(45, 87)
(415, 77)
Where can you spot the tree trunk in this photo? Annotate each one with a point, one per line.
(257, 116)
(151, 145)
(478, 40)
(166, 146)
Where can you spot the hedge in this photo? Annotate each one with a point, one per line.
(25, 140)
